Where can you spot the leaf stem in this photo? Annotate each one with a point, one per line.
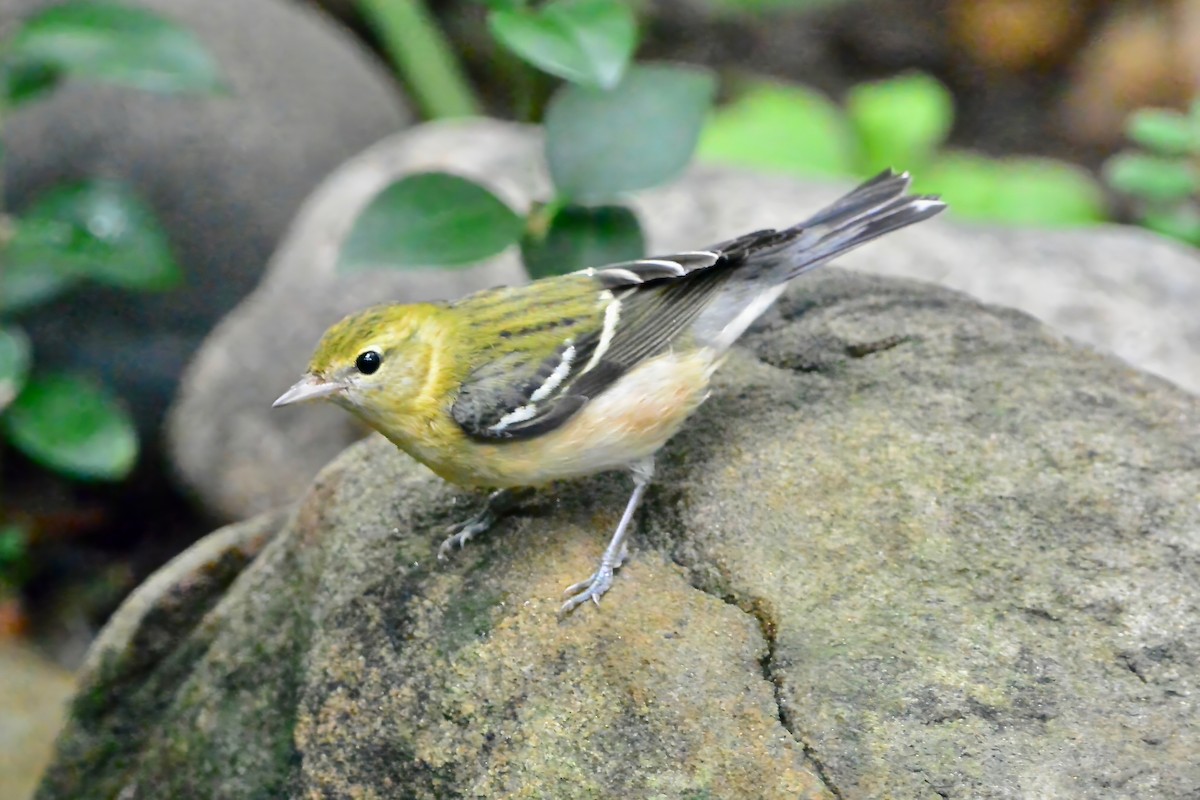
(423, 57)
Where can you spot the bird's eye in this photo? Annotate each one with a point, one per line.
(368, 362)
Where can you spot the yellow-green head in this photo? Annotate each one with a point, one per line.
(374, 363)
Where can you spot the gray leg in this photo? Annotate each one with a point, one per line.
(499, 503)
(614, 554)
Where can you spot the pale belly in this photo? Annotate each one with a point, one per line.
(629, 422)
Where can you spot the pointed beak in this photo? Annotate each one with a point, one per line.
(310, 387)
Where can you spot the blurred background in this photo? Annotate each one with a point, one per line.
(155, 153)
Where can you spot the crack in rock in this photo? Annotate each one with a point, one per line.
(760, 610)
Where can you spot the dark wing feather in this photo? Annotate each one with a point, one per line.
(649, 303)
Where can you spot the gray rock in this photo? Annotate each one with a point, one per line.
(963, 566)
(1118, 289)
(226, 174)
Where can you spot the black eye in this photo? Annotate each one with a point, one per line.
(368, 362)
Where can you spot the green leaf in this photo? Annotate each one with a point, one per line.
(118, 44)
(1027, 191)
(642, 133)
(23, 80)
(14, 545)
(1182, 223)
(14, 364)
(784, 128)
(580, 237)
(901, 121)
(585, 41)
(69, 425)
(1163, 131)
(98, 230)
(429, 219)
(26, 279)
(1153, 178)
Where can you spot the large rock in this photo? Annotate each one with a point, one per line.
(225, 173)
(966, 565)
(1120, 289)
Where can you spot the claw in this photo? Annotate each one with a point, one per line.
(498, 504)
(463, 533)
(591, 589)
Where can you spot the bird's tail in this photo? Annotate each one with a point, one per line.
(765, 261)
(877, 207)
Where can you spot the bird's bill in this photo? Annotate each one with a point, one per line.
(310, 387)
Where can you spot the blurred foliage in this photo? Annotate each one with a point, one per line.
(901, 123)
(613, 127)
(1162, 178)
(616, 127)
(115, 43)
(422, 56)
(603, 144)
(782, 128)
(430, 218)
(92, 231)
(762, 6)
(588, 42)
(580, 235)
(95, 230)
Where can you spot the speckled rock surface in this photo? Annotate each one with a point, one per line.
(962, 566)
(224, 173)
(1119, 289)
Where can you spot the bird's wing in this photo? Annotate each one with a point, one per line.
(565, 340)
(575, 338)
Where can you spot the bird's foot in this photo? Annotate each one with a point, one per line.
(499, 503)
(591, 589)
(463, 532)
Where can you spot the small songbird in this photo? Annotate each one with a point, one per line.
(571, 375)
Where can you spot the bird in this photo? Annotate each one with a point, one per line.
(515, 387)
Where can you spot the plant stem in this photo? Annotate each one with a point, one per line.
(423, 57)
(3, 219)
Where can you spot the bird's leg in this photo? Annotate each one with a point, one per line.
(615, 553)
(498, 504)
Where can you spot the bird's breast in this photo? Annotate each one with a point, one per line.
(627, 422)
